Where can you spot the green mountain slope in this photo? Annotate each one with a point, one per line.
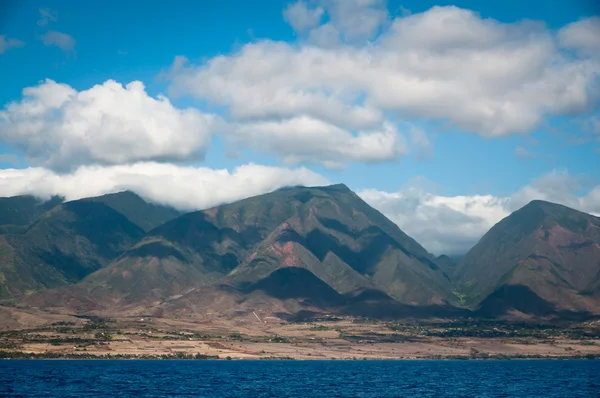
(20, 211)
(542, 259)
(143, 214)
(343, 241)
(67, 243)
(328, 231)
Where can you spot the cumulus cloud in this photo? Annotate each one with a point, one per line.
(582, 36)
(454, 224)
(61, 40)
(347, 19)
(443, 225)
(184, 187)
(325, 36)
(356, 19)
(62, 128)
(297, 126)
(255, 85)
(304, 139)
(300, 17)
(6, 43)
(557, 187)
(446, 64)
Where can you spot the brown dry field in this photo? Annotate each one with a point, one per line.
(248, 337)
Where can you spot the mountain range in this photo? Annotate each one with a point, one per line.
(292, 251)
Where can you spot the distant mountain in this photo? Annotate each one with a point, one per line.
(329, 234)
(63, 246)
(296, 251)
(20, 211)
(143, 214)
(543, 259)
(447, 264)
(67, 241)
(17, 212)
(341, 239)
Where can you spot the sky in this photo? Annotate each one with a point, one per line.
(445, 116)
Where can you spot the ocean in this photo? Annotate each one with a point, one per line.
(199, 378)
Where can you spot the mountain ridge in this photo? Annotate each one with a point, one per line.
(328, 231)
(544, 251)
(543, 260)
(69, 240)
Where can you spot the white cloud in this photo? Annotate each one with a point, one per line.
(184, 187)
(47, 15)
(356, 19)
(557, 187)
(582, 36)
(300, 17)
(295, 125)
(61, 40)
(304, 139)
(325, 36)
(349, 19)
(443, 225)
(61, 128)
(454, 224)
(446, 64)
(255, 85)
(6, 43)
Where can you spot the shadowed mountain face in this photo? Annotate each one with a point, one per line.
(542, 259)
(328, 231)
(447, 264)
(63, 246)
(68, 241)
(17, 212)
(143, 214)
(297, 283)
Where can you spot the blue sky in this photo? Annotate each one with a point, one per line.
(455, 153)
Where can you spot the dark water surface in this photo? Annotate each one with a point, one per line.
(535, 378)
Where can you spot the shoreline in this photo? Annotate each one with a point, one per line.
(18, 355)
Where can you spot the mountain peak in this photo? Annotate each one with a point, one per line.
(336, 187)
(120, 194)
(544, 248)
(142, 213)
(541, 212)
(545, 205)
(551, 208)
(330, 188)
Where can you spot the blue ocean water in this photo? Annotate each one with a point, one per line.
(148, 378)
